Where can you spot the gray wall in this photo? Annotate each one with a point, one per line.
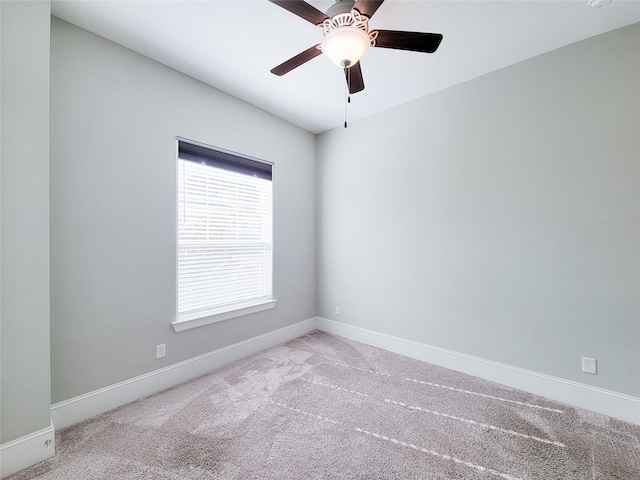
(114, 119)
(24, 219)
(498, 218)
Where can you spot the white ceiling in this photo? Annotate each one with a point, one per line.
(233, 44)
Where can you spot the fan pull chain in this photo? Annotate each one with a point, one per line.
(347, 89)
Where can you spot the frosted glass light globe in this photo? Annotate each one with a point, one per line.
(345, 45)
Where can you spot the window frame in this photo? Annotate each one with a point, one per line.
(239, 163)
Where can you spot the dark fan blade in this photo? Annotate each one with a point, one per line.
(354, 78)
(368, 7)
(303, 10)
(414, 41)
(296, 61)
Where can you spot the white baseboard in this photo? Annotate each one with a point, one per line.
(85, 406)
(26, 451)
(618, 405)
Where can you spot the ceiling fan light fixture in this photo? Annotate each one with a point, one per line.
(345, 45)
(347, 37)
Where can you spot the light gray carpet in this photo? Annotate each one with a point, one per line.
(322, 407)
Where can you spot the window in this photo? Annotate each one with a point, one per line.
(224, 230)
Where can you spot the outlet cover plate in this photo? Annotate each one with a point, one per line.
(161, 350)
(589, 365)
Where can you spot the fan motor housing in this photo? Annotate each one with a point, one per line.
(341, 6)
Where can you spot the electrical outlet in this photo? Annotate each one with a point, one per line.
(337, 309)
(161, 350)
(589, 365)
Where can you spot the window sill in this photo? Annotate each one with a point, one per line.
(201, 319)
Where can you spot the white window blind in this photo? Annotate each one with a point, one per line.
(224, 231)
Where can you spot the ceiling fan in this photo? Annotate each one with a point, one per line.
(347, 37)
